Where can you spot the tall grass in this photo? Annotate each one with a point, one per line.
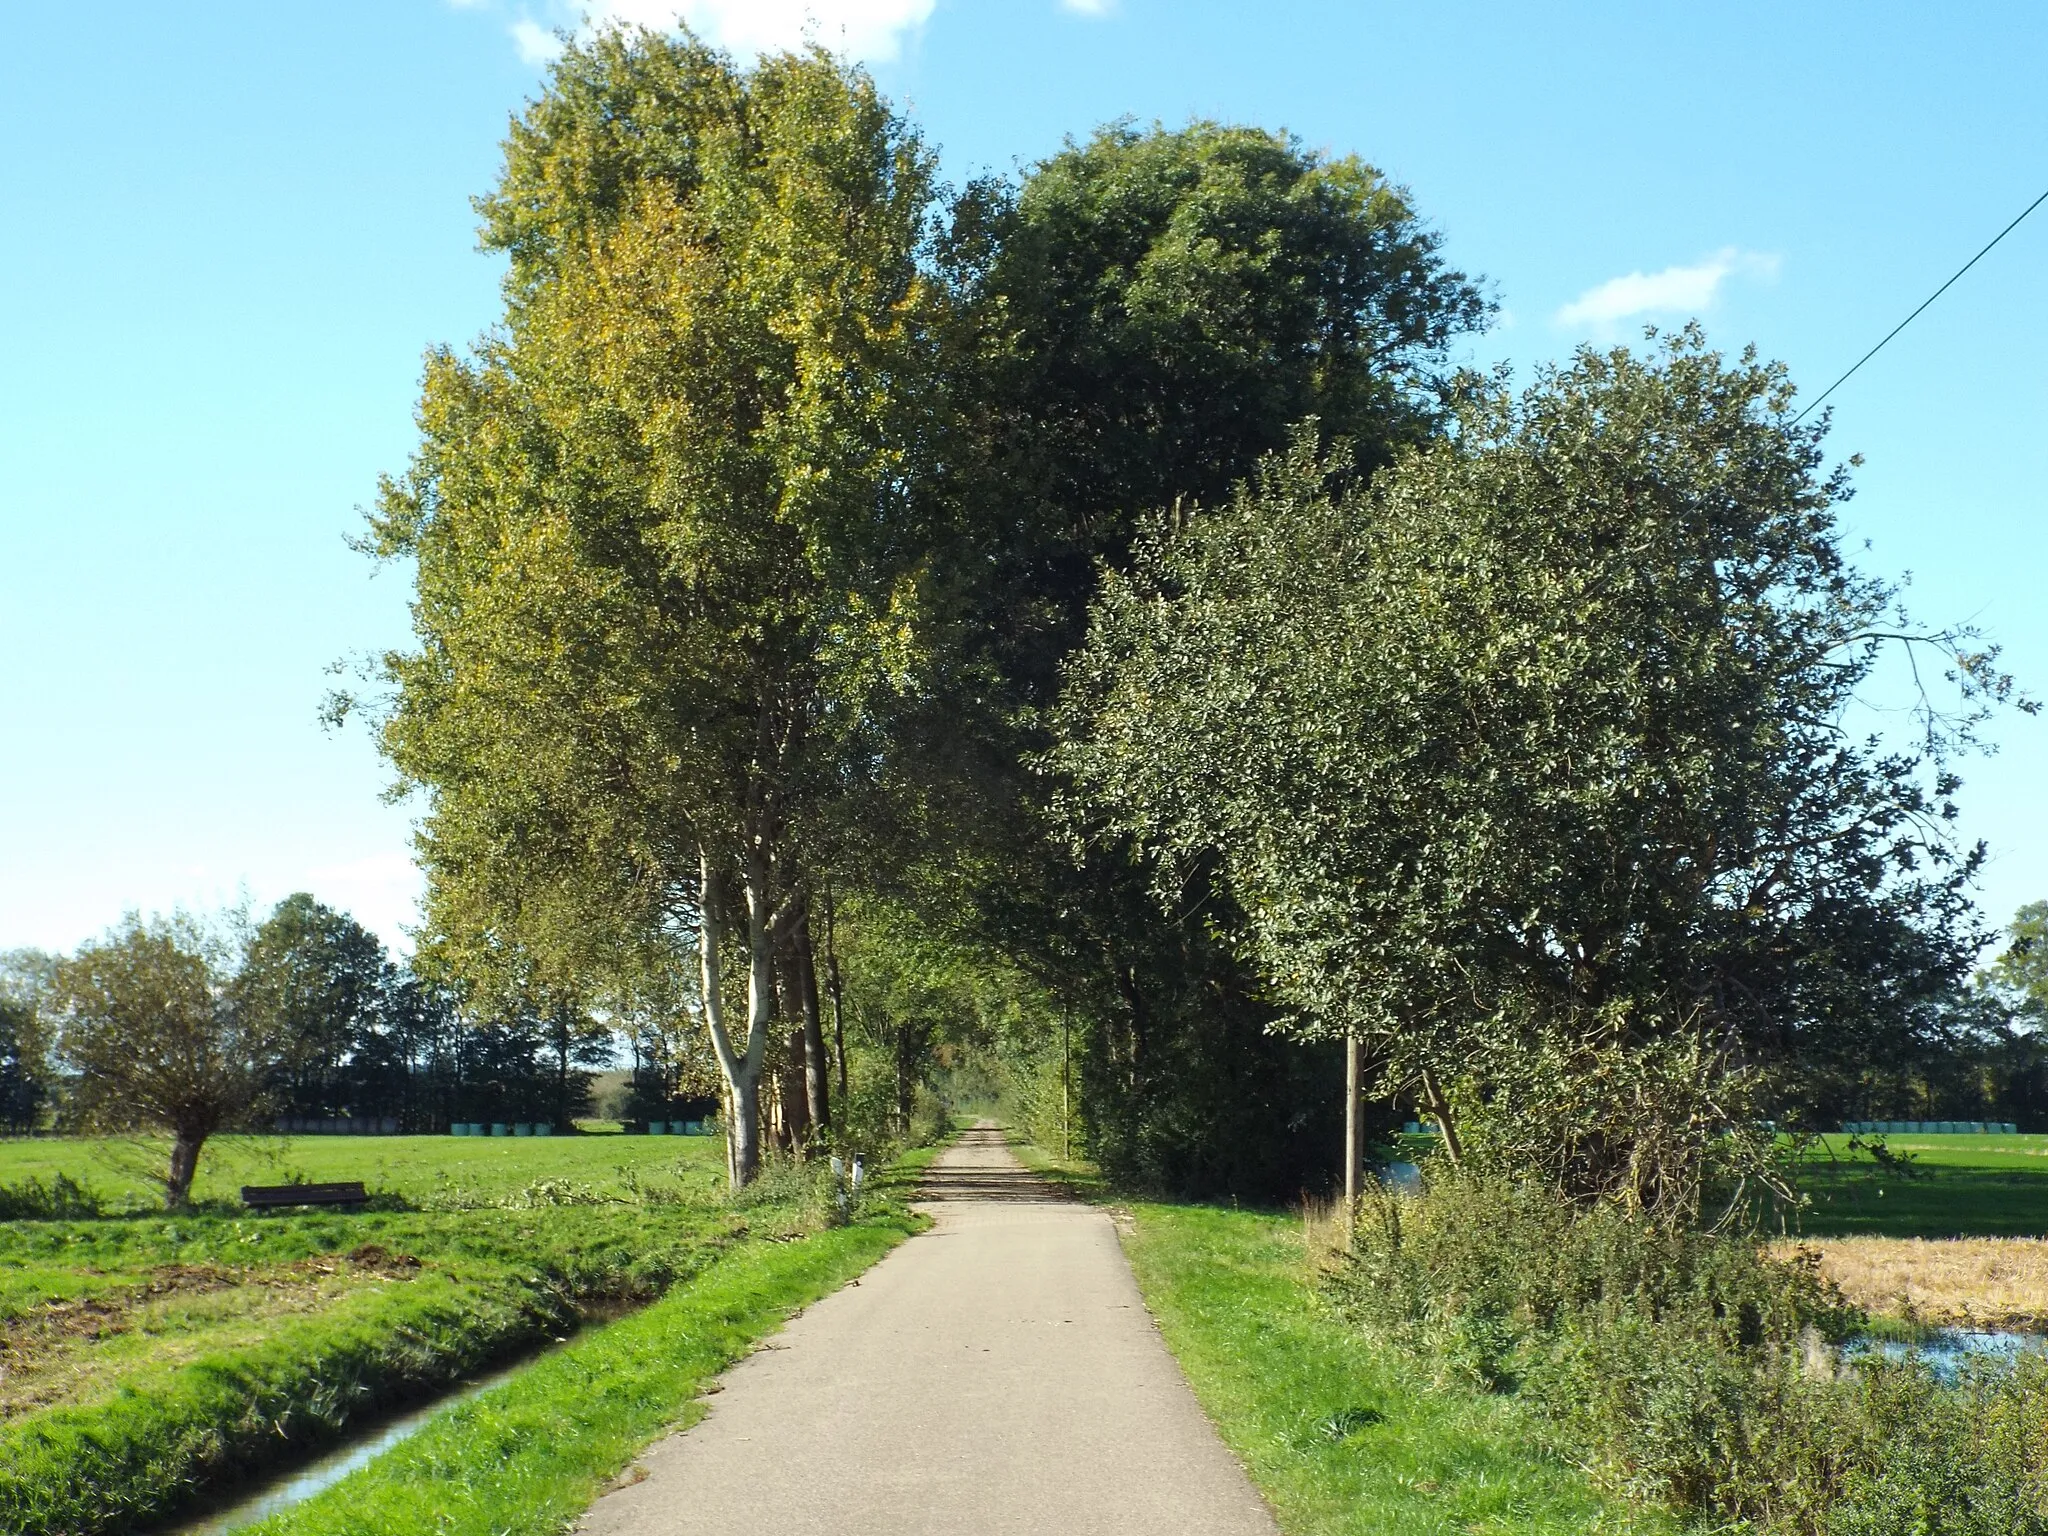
(1693, 1371)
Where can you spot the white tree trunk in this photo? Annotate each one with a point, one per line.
(742, 1069)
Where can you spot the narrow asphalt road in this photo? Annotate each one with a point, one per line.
(998, 1373)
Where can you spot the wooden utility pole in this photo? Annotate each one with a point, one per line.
(1354, 1129)
(838, 1003)
(1066, 1060)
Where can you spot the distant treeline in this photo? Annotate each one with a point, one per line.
(340, 1030)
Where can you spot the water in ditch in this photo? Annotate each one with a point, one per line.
(259, 1499)
(1947, 1351)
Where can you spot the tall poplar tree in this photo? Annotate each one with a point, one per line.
(672, 581)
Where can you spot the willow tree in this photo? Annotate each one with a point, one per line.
(670, 574)
(157, 1039)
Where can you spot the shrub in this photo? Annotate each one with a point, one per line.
(1693, 1370)
(62, 1199)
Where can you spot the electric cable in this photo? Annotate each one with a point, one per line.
(1944, 288)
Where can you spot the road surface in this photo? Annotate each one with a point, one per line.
(997, 1374)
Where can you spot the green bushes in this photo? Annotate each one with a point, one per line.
(1694, 1371)
(61, 1199)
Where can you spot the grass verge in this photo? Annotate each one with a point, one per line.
(529, 1456)
(1335, 1430)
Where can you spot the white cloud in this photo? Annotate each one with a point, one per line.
(864, 29)
(536, 44)
(1675, 290)
(1088, 7)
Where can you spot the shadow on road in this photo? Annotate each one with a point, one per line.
(980, 1166)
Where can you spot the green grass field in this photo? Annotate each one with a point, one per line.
(420, 1169)
(148, 1357)
(1954, 1186)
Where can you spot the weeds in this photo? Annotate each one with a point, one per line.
(61, 1199)
(1693, 1370)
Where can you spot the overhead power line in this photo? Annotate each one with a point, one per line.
(1944, 288)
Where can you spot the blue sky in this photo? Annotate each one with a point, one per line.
(228, 231)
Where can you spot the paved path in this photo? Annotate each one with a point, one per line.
(996, 1374)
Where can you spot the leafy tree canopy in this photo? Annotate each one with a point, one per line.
(672, 575)
(151, 1027)
(2021, 969)
(1532, 762)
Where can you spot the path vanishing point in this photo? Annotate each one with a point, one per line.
(997, 1374)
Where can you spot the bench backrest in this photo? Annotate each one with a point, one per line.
(303, 1194)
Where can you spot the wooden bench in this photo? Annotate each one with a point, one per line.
(264, 1197)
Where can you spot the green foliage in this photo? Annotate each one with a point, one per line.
(1163, 307)
(674, 569)
(1527, 761)
(2022, 968)
(27, 1043)
(1147, 313)
(61, 1199)
(1341, 1432)
(315, 978)
(1690, 1370)
(158, 1040)
(1479, 1272)
(915, 996)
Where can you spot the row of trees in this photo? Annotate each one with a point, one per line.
(1098, 595)
(190, 1027)
(187, 1027)
(1086, 622)
(750, 546)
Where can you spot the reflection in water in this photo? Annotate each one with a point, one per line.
(1949, 1350)
(264, 1499)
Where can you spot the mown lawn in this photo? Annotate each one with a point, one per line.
(124, 1170)
(1953, 1186)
